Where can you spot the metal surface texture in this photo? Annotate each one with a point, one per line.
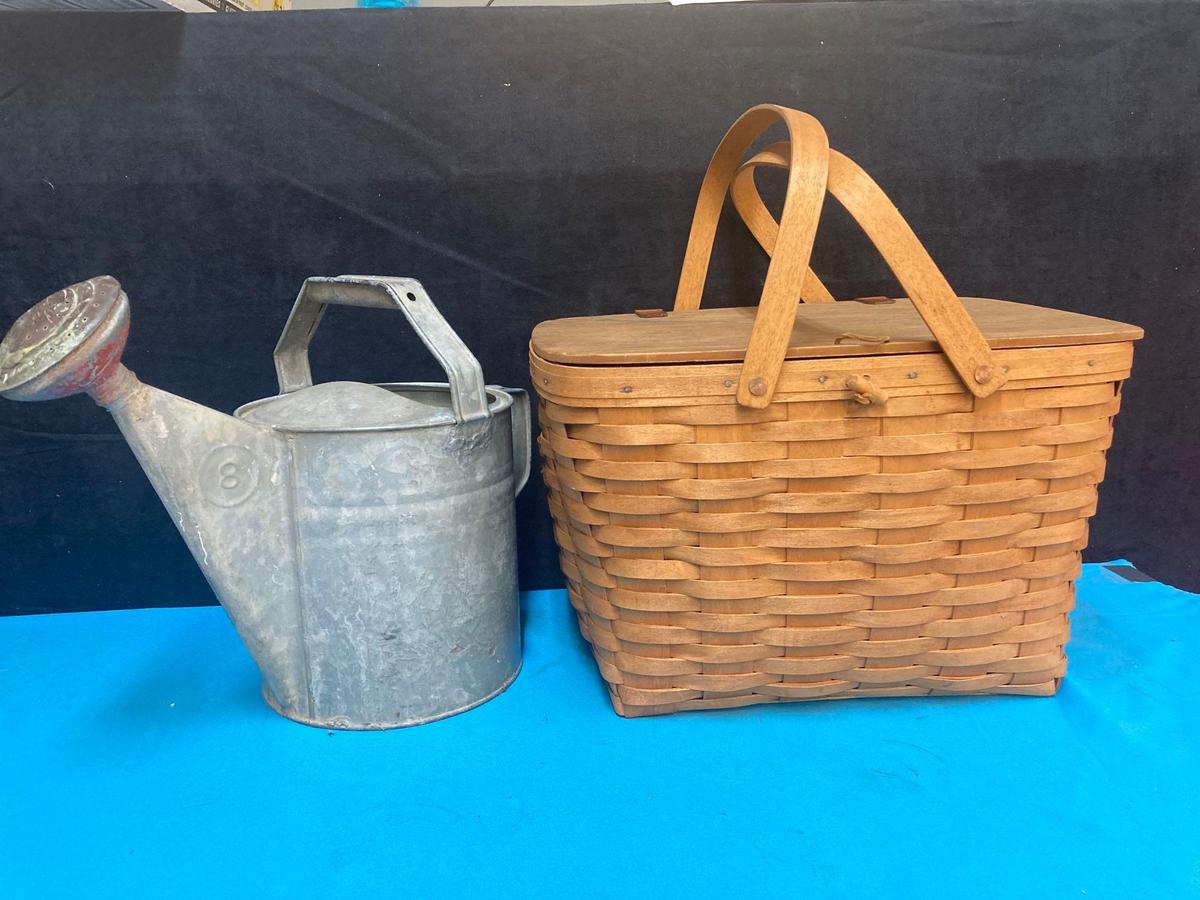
(361, 537)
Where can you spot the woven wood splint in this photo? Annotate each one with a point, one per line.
(826, 499)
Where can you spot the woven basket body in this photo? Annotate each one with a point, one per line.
(875, 528)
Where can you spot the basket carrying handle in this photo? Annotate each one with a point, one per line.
(916, 271)
(792, 247)
(803, 193)
(938, 305)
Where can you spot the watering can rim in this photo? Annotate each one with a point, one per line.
(501, 399)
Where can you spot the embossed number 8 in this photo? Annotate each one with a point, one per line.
(229, 476)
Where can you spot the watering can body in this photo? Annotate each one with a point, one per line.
(361, 537)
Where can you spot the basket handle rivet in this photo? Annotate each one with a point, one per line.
(983, 374)
(758, 387)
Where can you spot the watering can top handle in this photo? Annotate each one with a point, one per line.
(467, 393)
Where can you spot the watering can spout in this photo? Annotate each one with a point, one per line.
(219, 477)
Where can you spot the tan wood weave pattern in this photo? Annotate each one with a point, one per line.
(776, 516)
(718, 556)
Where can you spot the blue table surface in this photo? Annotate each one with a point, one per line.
(138, 759)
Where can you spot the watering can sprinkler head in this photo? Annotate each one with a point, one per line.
(69, 343)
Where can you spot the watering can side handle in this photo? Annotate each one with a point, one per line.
(467, 393)
(522, 437)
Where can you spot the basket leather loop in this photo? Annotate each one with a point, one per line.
(932, 296)
(788, 276)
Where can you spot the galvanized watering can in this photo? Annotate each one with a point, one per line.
(361, 537)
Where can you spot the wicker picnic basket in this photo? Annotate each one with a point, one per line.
(815, 500)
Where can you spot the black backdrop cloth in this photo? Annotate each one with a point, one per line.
(533, 163)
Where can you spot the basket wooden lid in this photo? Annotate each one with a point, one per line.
(847, 328)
